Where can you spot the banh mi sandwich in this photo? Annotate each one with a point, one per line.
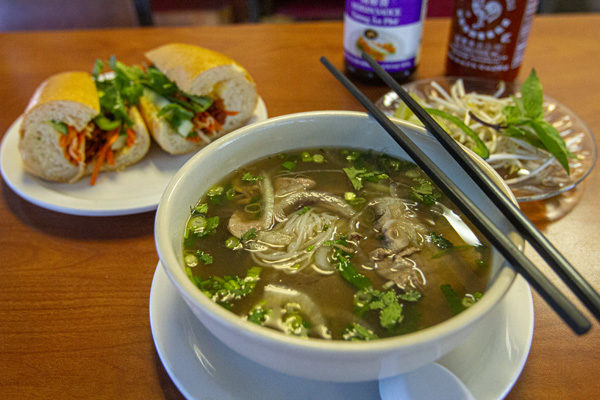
(72, 128)
(194, 95)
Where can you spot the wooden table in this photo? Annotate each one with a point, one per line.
(74, 290)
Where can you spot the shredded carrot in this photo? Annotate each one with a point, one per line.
(105, 153)
(130, 137)
(97, 166)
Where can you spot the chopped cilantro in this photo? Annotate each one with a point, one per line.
(411, 295)
(248, 177)
(200, 209)
(199, 227)
(440, 241)
(293, 322)
(357, 332)
(348, 271)
(259, 314)
(289, 165)
(453, 299)
(358, 176)
(226, 290)
(249, 235)
(390, 310)
(204, 257)
(423, 191)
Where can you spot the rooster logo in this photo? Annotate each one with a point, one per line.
(485, 12)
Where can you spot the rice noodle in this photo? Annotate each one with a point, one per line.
(306, 235)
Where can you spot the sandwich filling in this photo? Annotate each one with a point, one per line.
(196, 118)
(92, 145)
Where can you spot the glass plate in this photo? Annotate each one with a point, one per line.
(552, 180)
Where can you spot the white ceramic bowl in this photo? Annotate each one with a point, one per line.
(314, 358)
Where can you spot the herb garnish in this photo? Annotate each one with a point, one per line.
(440, 241)
(526, 120)
(358, 176)
(458, 305)
(226, 290)
(357, 332)
(423, 191)
(259, 313)
(249, 178)
(390, 310)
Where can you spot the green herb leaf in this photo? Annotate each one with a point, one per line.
(479, 146)
(200, 209)
(226, 290)
(204, 257)
(424, 192)
(349, 272)
(440, 241)
(532, 96)
(358, 176)
(390, 310)
(249, 235)
(259, 313)
(248, 177)
(552, 141)
(453, 299)
(357, 332)
(289, 165)
(411, 295)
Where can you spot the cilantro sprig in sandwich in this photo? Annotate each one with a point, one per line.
(78, 125)
(193, 95)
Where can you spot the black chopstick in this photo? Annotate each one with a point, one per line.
(562, 306)
(559, 264)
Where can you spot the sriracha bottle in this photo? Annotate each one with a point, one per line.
(488, 38)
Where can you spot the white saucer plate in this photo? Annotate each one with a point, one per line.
(137, 189)
(488, 362)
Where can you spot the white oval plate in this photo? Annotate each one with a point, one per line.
(135, 190)
(488, 362)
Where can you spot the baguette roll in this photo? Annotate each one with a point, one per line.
(199, 72)
(71, 99)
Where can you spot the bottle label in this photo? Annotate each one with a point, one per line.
(490, 35)
(390, 31)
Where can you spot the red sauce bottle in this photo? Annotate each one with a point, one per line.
(488, 38)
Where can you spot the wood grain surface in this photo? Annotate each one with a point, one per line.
(74, 290)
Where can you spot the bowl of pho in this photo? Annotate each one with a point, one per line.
(311, 244)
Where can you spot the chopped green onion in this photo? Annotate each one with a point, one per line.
(232, 243)
(318, 158)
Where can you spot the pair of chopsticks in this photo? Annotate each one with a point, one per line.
(550, 293)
